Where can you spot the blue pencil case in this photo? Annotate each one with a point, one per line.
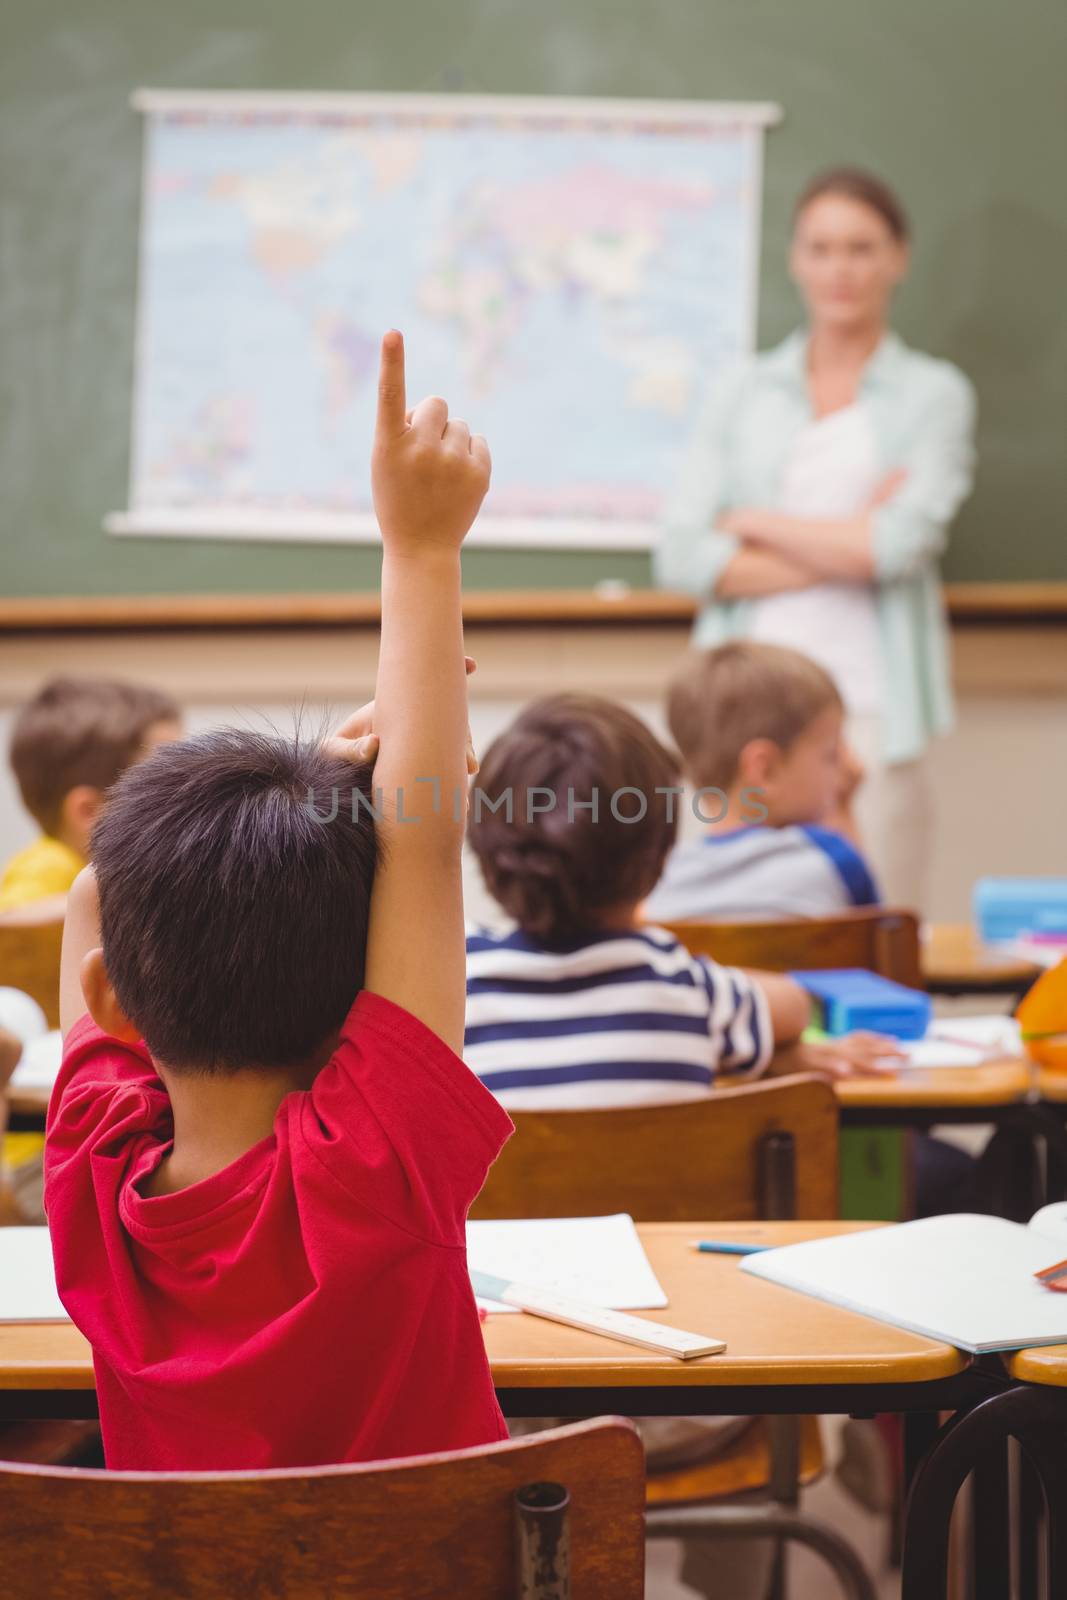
(851, 998)
(1004, 908)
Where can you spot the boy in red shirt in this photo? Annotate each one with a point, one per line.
(262, 1144)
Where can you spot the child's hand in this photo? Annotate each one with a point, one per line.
(356, 741)
(852, 774)
(856, 1055)
(429, 475)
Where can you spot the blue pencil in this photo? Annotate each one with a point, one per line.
(713, 1247)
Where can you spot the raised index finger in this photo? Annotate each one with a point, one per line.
(392, 404)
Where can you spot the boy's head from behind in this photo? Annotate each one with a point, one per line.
(760, 717)
(233, 907)
(74, 739)
(561, 870)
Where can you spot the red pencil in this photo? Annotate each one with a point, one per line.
(1054, 1277)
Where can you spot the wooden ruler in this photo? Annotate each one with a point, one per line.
(596, 1319)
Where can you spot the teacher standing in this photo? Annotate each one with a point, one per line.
(816, 500)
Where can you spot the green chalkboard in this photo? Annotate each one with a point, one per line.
(959, 103)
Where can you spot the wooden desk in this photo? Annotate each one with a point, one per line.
(28, 1103)
(784, 1351)
(47, 1359)
(955, 961)
(1045, 1364)
(945, 1094)
(1051, 1086)
(774, 1337)
(998, 1092)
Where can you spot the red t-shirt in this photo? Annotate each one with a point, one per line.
(310, 1302)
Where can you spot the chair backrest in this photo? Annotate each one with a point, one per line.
(883, 941)
(29, 958)
(398, 1530)
(751, 1151)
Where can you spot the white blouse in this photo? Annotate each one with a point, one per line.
(832, 472)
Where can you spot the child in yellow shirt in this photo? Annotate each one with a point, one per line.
(70, 743)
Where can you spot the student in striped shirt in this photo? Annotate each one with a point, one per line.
(578, 1003)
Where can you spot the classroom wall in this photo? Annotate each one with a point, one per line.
(1000, 779)
(958, 102)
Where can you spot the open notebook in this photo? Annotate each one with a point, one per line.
(600, 1260)
(967, 1280)
(27, 1278)
(961, 1042)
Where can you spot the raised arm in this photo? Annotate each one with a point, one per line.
(429, 479)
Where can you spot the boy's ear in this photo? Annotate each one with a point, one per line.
(759, 762)
(80, 809)
(102, 1001)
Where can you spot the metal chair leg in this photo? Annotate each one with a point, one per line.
(1030, 1521)
(990, 1524)
(773, 1522)
(1034, 1415)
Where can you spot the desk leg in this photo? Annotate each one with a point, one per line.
(920, 1430)
(1048, 1121)
(1008, 1178)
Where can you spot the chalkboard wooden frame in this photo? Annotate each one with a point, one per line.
(1007, 603)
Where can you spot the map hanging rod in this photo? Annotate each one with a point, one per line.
(160, 102)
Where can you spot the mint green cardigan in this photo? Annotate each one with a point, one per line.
(923, 413)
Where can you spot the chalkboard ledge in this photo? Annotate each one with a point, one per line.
(1014, 603)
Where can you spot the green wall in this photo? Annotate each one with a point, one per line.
(958, 102)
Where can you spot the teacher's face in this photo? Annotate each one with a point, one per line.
(846, 262)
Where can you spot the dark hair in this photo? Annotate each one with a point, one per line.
(857, 184)
(80, 730)
(233, 908)
(720, 699)
(556, 871)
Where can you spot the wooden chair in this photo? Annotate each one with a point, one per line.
(398, 1530)
(29, 956)
(883, 941)
(750, 1151)
(763, 1150)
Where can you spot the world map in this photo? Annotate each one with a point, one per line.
(570, 283)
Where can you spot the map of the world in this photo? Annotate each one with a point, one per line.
(569, 275)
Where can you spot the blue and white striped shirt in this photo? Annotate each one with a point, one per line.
(619, 1019)
(760, 873)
